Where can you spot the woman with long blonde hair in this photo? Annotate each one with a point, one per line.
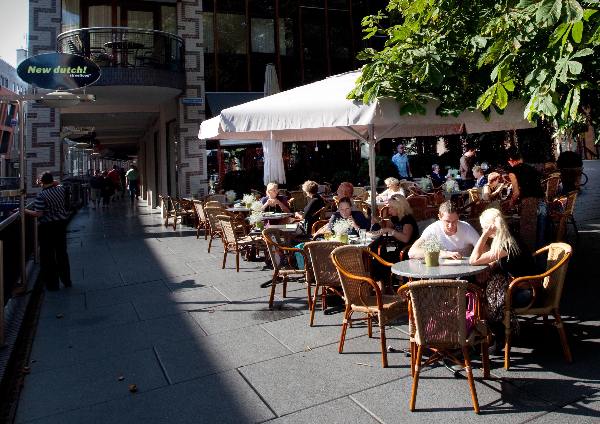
(508, 258)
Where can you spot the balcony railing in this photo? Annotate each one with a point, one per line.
(120, 47)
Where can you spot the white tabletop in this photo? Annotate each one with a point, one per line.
(234, 209)
(267, 216)
(449, 268)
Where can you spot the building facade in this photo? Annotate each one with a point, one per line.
(10, 84)
(158, 61)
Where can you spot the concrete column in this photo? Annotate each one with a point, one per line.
(193, 179)
(42, 136)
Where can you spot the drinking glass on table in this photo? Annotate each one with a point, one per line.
(362, 234)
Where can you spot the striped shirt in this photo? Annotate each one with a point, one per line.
(51, 201)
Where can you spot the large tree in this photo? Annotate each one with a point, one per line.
(480, 54)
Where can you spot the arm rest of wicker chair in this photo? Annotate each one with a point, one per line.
(367, 280)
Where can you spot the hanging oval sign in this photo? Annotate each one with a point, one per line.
(58, 71)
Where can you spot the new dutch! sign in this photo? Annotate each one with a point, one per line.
(58, 71)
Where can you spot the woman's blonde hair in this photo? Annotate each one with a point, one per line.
(400, 205)
(272, 186)
(503, 240)
(392, 181)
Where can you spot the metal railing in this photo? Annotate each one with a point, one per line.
(10, 252)
(125, 47)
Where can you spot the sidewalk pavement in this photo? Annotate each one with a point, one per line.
(151, 308)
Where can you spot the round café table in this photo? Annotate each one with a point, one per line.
(449, 268)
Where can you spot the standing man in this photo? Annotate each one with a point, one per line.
(467, 161)
(400, 159)
(49, 207)
(132, 178)
(527, 192)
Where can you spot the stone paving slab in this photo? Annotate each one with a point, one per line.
(339, 411)
(296, 382)
(444, 398)
(218, 398)
(214, 353)
(89, 383)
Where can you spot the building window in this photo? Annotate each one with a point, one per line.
(232, 33)
(99, 16)
(70, 15)
(168, 17)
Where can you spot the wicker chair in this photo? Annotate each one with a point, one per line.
(362, 294)
(202, 223)
(438, 322)
(232, 242)
(562, 215)
(547, 295)
(362, 206)
(420, 207)
(550, 185)
(176, 209)
(323, 271)
(297, 200)
(214, 227)
(221, 198)
(317, 225)
(282, 259)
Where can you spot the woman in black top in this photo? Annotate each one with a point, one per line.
(509, 258)
(314, 205)
(402, 228)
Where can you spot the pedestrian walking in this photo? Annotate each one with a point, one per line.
(50, 209)
(96, 188)
(132, 178)
(108, 189)
(115, 177)
(400, 159)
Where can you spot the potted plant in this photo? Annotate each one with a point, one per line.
(247, 200)
(230, 195)
(340, 229)
(432, 246)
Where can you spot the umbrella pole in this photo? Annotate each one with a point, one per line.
(372, 177)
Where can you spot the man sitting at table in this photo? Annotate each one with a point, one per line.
(457, 237)
(273, 201)
(355, 219)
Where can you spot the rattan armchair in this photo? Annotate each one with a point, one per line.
(547, 288)
(438, 322)
(363, 295)
(202, 223)
(234, 242)
(176, 209)
(550, 185)
(282, 259)
(561, 218)
(323, 271)
(215, 231)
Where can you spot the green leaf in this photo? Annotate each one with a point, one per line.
(501, 97)
(573, 10)
(577, 31)
(588, 13)
(486, 99)
(575, 103)
(546, 106)
(582, 53)
(509, 85)
(558, 33)
(574, 67)
(548, 12)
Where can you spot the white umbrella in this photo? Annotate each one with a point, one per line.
(321, 111)
(272, 150)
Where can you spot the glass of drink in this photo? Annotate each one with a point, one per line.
(362, 234)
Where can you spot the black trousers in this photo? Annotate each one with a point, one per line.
(54, 260)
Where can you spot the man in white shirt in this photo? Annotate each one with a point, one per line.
(457, 237)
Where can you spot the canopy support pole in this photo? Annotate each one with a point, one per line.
(372, 177)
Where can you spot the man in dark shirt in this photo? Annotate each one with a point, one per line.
(49, 207)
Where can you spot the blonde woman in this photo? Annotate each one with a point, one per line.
(509, 258)
(393, 187)
(402, 227)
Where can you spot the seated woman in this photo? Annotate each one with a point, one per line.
(437, 179)
(402, 229)
(492, 191)
(393, 187)
(508, 258)
(314, 205)
(355, 219)
(273, 201)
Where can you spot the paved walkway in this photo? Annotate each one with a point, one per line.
(151, 308)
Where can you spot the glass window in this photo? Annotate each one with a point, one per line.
(168, 16)
(99, 16)
(263, 35)
(231, 32)
(140, 19)
(207, 30)
(70, 15)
